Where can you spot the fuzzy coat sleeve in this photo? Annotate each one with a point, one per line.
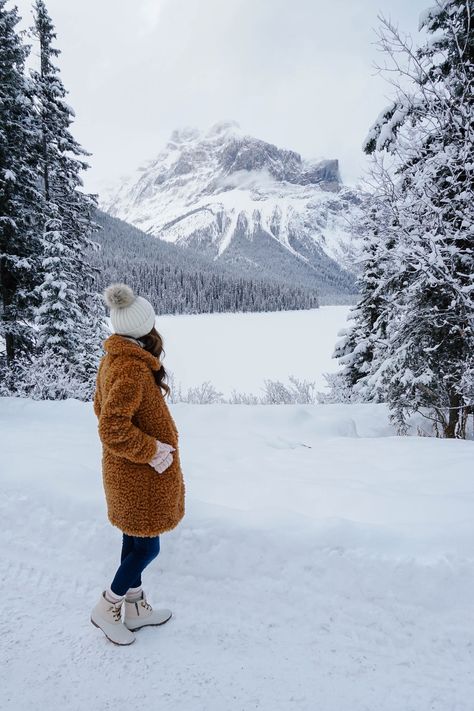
(116, 410)
(97, 396)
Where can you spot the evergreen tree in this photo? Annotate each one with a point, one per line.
(19, 198)
(423, 362)
(366, 332)
(58, 314)
(70, 324)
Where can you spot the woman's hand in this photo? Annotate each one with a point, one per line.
(163, 457)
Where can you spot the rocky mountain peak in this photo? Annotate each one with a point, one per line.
(230, 194)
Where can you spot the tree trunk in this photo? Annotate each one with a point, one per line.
(7, 285)
(451, 428)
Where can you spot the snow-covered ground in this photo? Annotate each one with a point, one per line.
(240, 350)
(323, 564)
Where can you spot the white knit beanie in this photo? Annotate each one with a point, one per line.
(130, 315)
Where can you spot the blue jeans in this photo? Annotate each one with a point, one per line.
(137, 553)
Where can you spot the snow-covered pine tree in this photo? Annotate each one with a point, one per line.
(69, 319)
(427, 134)
(363, 342)
(19, 200)
(365, 334)
(58, 313)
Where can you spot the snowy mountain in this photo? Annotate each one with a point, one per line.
(244, 201)
(178, 280)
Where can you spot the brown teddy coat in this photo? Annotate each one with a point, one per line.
(132, 415)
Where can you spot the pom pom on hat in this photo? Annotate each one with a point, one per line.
(130, 315)
(118, 296)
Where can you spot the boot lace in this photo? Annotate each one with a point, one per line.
(146, 605)
(116, 612)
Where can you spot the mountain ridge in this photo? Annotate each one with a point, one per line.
(243, 200)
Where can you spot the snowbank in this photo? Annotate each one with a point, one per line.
(335, 472)
(323, 563)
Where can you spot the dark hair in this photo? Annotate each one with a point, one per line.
(153, 343)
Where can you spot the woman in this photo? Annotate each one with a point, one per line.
(141, 470)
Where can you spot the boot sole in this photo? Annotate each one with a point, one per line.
(155, 624)
(119, 644)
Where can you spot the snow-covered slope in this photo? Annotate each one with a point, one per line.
(241, 199)
(322, 564)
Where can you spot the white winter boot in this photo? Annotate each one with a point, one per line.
(141, 614)
(107, 616)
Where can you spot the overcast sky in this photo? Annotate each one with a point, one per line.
(295, 72)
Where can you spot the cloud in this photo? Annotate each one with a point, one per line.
(295, 72)
(149, 12)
